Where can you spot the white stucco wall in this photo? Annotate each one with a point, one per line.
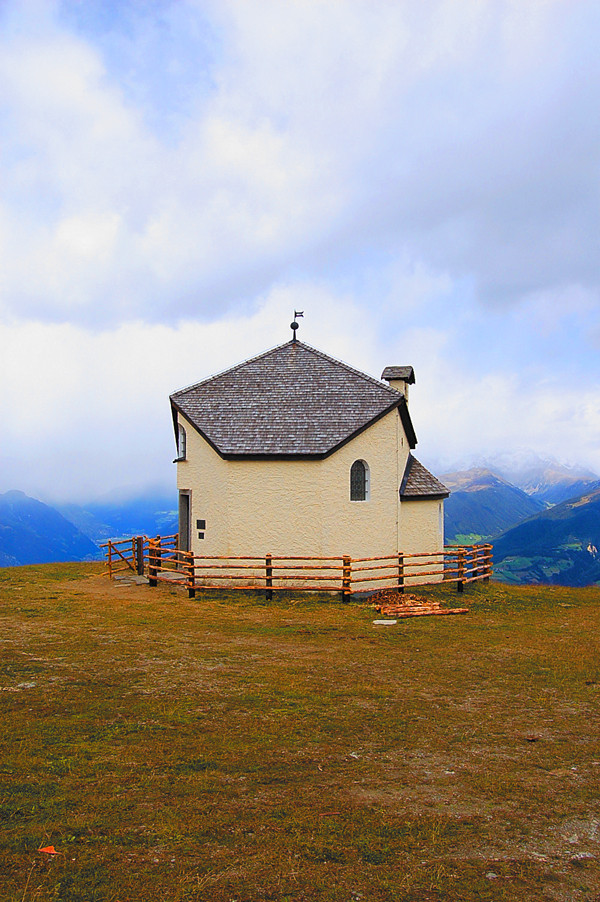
(301, 507)
(422, 529)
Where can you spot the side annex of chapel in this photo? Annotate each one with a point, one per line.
(296, 453)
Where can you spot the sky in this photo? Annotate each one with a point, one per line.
(420, 177)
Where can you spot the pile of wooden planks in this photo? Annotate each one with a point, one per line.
(396, 604)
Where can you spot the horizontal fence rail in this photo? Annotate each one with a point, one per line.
(161, 560)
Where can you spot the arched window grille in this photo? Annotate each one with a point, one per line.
(359, 481)
(181, 443)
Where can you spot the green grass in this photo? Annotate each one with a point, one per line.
(224, 748)
(471, 538)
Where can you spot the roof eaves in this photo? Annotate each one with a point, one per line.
(174, 411)
(434, 497)
(253, 455)
(364, 427)
(316, 455)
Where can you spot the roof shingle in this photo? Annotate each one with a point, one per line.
(418, 482)
(293, 400)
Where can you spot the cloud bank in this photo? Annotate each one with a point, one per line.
(421, 178)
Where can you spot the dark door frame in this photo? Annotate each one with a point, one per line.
(185, 511)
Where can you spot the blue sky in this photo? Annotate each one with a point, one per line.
(421, 178)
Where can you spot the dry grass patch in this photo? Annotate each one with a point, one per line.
(227, 749)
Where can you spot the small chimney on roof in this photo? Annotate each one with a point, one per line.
(399, 377)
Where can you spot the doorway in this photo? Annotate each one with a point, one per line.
(184, 520)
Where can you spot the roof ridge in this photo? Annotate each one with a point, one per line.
(394, 393)
(230, 369)
(351, 369)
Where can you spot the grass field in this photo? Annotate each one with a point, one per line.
(230, 749)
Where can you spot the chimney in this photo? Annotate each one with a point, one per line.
(399, 377)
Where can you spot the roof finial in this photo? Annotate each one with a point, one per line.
(295, 325)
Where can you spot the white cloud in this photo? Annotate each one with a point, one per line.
(470, 420)
(84, 412)
(174, 185)
(456, 134)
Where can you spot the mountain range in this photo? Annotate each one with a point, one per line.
(482, 505)
(32, 532)
(545, 529)
(535, 539)
(558, 546)
(546, 480)
(35, 533)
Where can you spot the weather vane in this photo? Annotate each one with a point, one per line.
(295, 325)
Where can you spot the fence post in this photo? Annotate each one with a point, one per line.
(400, 572)
(269, 577)
(191, 574)
(139, 555)
(475, 561)
(110, 573)
(487, 563)
(461, 570)
(151, 563)
(346, 577)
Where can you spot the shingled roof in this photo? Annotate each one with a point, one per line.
(418, 482)
(289, 402)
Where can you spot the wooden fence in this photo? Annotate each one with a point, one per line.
(162, 561)
(132, 555)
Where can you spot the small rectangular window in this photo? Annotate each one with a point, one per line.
(181, 444)
(200, 524)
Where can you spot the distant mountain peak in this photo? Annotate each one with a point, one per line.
(483, 504)
(473, 479)
(548, 480)
(32, 532)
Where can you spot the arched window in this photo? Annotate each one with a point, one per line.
(181, 443)
(359, 481)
